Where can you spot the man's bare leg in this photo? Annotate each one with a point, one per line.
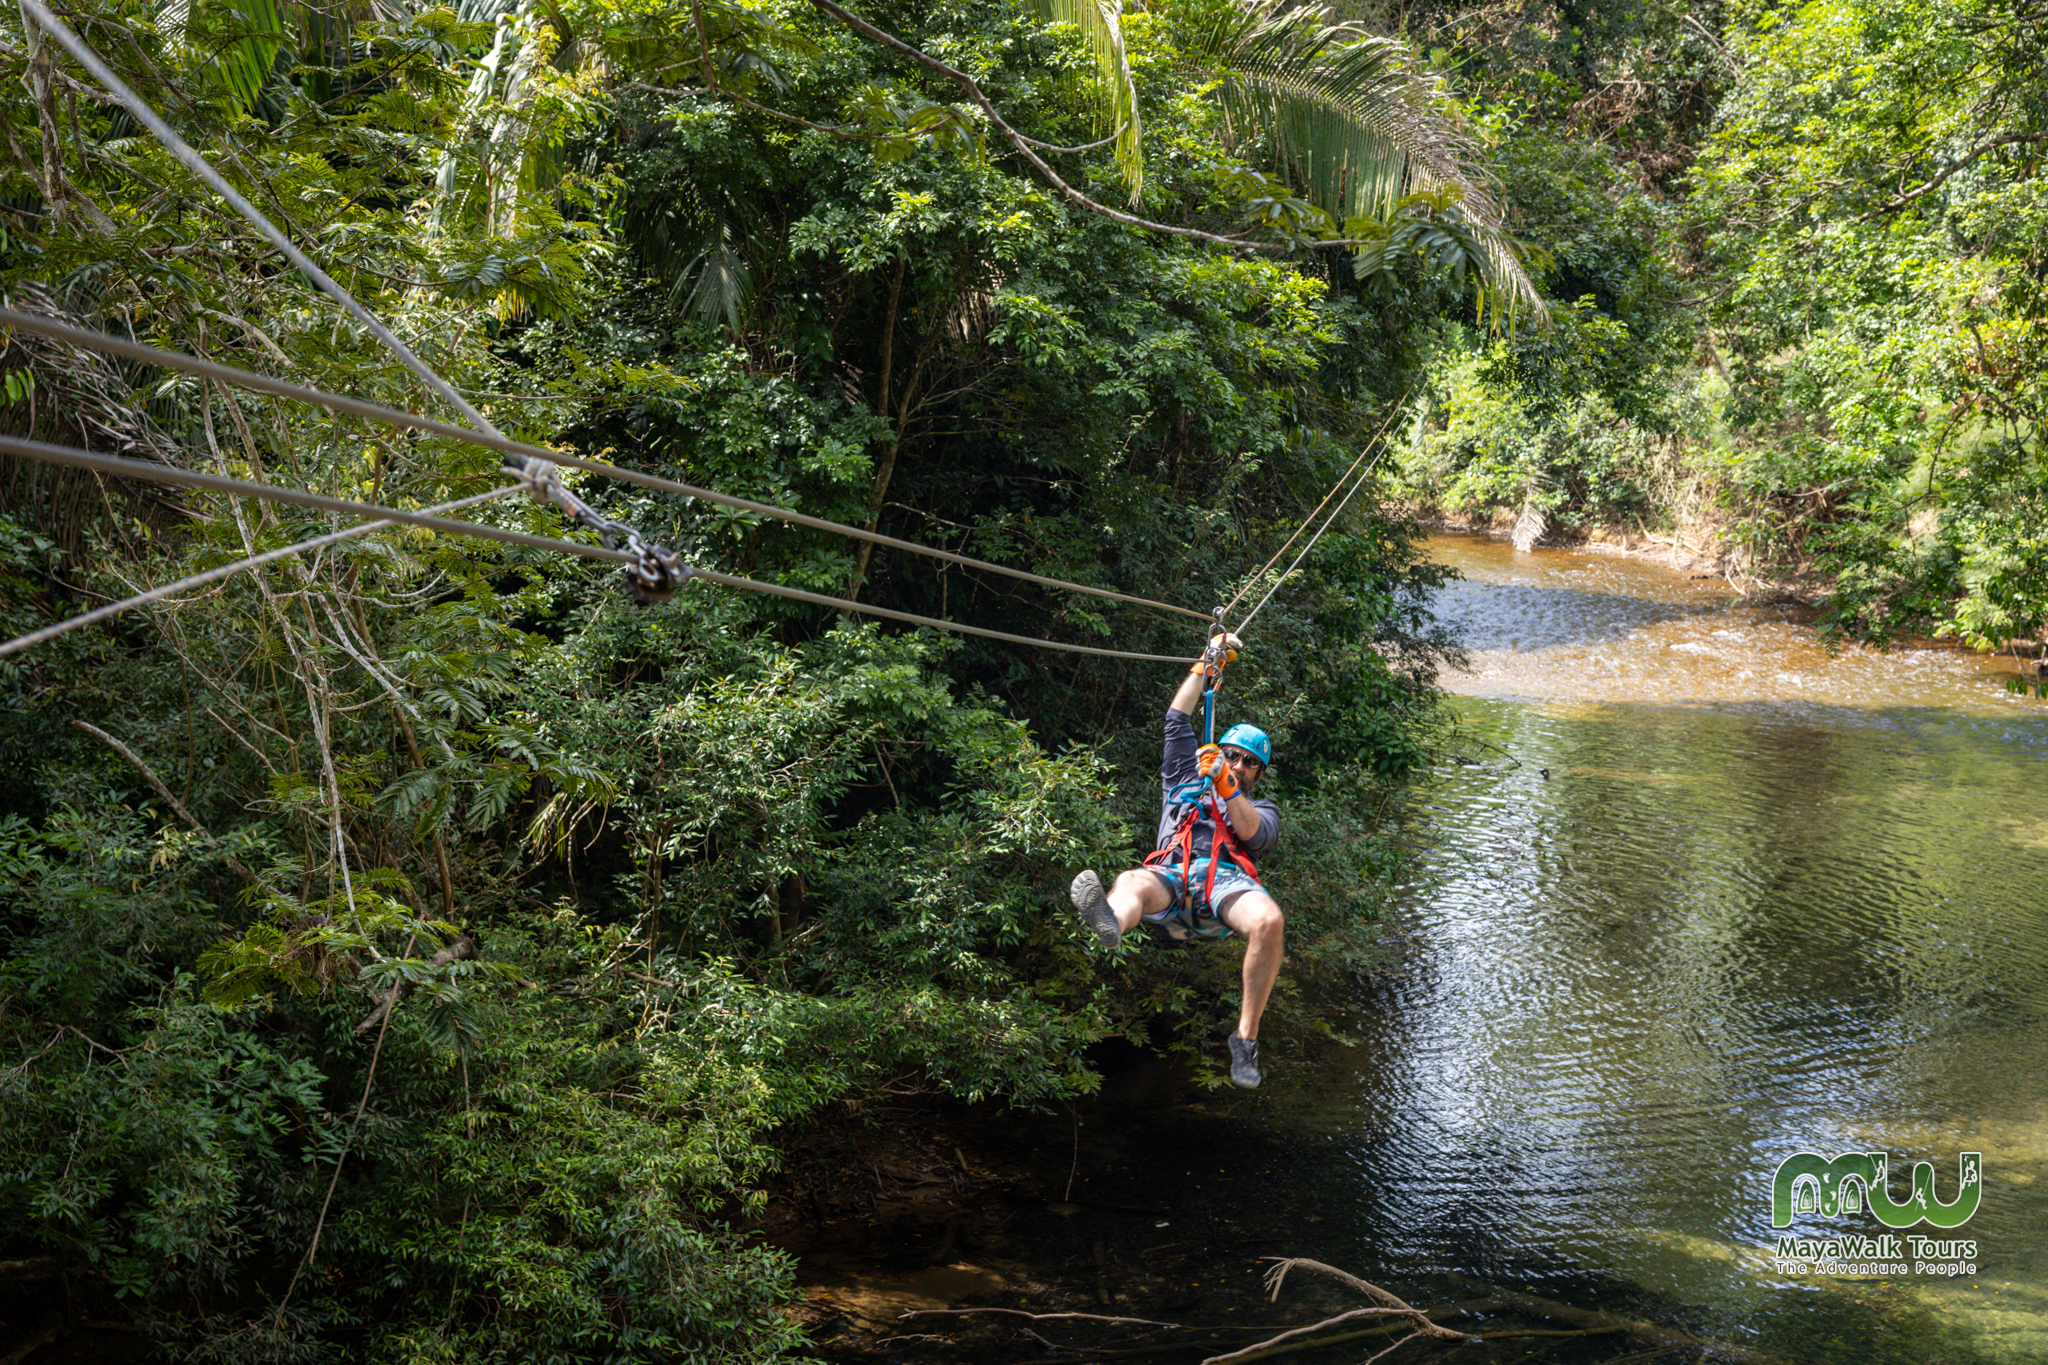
(1256, 916)
(1114, 913)
(1136, 893)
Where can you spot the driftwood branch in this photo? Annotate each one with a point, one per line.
(1389, 1309)
(1261, 1348)
(1392, 1306)
(1649, 1333)
(1035, 1317)
(1278, 1276)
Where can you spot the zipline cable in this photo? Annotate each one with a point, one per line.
(648, 561)
(200, 167)
(1309, 520)
(215, 575)
(356, 407)
(1245, 624)
(648, 571)
(123, 467)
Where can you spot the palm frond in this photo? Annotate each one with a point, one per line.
(1101, 23)
(695, 239)
(720, 285)
(1354, 118)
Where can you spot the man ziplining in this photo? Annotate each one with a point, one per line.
(1202, 880)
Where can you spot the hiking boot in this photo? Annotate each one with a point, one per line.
(1088, 898)
(1244, 1062)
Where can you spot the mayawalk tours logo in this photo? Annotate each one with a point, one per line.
(1853, 1182)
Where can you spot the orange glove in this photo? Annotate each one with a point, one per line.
(1209, 762)
(1230, 643)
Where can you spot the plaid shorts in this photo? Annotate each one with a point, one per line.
(1191, 915)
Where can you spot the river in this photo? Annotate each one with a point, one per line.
(1696, 895)
(1700, 897)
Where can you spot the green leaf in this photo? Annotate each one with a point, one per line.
(1101, 26)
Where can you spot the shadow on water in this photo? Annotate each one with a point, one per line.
(1512, 616)
(1674, 925)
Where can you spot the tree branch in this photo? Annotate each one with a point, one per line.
(462, 950)
(1969, 158)
(177, 806)
(1024, 147)
(1084, 147)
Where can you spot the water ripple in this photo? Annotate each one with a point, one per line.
(1659, 947)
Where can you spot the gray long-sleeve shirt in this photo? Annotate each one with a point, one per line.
(1177, 765)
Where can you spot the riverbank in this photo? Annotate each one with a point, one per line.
(1702, 555)
(1671, 925)
(1697, 545)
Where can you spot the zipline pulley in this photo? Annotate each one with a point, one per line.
(654, 573)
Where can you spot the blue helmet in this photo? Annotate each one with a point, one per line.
(1252, 740)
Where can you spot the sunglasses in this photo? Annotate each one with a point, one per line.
(1239, 758)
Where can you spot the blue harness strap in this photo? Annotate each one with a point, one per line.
(1195, 788)
(1223, 843)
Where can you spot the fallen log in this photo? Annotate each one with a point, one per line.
(1649, 1333)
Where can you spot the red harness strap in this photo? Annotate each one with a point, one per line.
(1223, 843)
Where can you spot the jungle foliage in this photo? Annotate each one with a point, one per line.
(419, 950)
(1872, 205)
(446, 948)
(1798, 252)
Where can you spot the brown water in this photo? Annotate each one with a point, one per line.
(1593, 625)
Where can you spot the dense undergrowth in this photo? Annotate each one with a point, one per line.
(420, 950)
(1799, 252)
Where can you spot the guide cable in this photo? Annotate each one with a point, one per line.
(674, 570)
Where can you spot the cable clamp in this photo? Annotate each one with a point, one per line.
(656, 571)
(541, 478)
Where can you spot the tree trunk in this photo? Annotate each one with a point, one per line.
(887, 469)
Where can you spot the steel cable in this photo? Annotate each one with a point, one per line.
(650, 558)
(215, 575)
(1309, 520)
(649, 564)
(121, 466)
(202, 168)
(1245, 624)
(356, 407)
